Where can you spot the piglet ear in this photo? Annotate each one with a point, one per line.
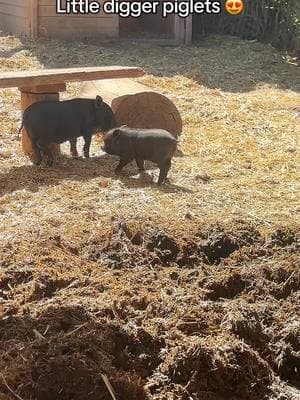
(117, 133)
(98, 101)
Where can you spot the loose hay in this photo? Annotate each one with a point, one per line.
(188, 291)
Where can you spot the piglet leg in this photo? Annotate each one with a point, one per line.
(46, 153)
(140, 164)
(73, 147)
(87, 144)
(122, 163)
(163, 171)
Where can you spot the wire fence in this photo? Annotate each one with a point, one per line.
(273, 21)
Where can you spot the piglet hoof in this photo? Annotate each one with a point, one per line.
(86, 155)
(144, 174)
(118, 171)
(163, 182)
(36, 163)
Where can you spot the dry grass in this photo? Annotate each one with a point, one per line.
(61, 247)
(245, 137)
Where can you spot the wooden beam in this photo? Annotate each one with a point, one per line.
(44, 89)
(58, 76)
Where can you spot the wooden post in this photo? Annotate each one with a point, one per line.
(178, 29)
(188, 29)
(33, 95)
(183, 29)
(33, 18)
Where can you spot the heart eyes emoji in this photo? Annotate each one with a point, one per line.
(234, 7)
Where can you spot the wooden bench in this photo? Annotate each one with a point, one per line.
(48, 83)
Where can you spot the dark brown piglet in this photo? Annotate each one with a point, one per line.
(59, 121)
(156, 145)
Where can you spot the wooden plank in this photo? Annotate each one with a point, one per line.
(69, 27)
(13, 24)
(44, 89)
(49, 10)
(17, 11)
(14, 16)
(19, 3)
(13, 4)
(57, 76)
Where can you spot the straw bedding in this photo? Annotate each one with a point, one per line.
(111, 286)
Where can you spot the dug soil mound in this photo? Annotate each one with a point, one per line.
(143, 314)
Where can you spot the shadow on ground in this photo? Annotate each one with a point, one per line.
(31, 178)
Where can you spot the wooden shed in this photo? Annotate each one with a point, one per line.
(38, 18)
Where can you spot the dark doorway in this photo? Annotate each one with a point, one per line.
(147, 26)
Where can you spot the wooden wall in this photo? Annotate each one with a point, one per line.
(14, 16)
(39, 18)
(69, 26)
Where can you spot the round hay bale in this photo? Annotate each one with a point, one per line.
(135, 105)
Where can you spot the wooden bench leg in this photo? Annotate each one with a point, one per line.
(32, 95)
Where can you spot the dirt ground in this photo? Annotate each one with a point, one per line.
(113, 288)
